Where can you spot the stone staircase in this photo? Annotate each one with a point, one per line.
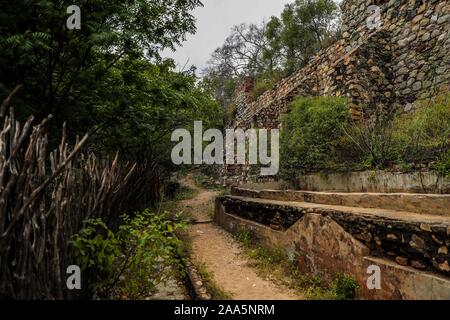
(406, 235)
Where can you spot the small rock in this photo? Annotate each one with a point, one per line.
(422, 8)
(444, 266)
(406, 91)
(417, 86)
(205, 297)
(402, 71)
(435, 33)
(443, 19)
(392, 237)
(443, 250)
(408, 107)
(418, 265)
(437, 240)
(425, 227)
(199, 283)
(417, 18)
(366, 236)
(275, 226)
(440, 6)
(378, 241)
(417, 242)
(421, 76)
(424, 21)
(402, 261)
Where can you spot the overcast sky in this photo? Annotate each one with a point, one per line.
(214, 23)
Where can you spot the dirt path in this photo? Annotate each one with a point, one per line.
(222, 255)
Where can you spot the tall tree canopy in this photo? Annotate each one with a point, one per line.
(303, 28)
(272, 50)
(106, 77)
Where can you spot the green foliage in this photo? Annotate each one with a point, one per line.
(152, 252)
(261, 85)
(244, 236)
(318, 134)
(302, 29)
(425, 133)
(186, 193)
(106, 78)
(345, 287)
(270, 51)
(149, 103)
(96, 250)
(369, 143)
(131, 262)
(443, 164)
(310, 134)
(230, 113)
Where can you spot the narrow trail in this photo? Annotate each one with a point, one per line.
(222, 255)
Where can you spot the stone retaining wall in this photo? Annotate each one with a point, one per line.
(386, 70)
(410, 255)
(426, 204)
(381, 71)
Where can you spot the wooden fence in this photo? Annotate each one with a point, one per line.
(44, 199)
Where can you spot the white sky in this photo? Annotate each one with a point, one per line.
(214, 23)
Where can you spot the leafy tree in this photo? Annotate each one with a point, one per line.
(269, 51)
(311, 135)
(303, 28)
(150, 101)
(108, 77)
(242, 51)
(63, 70)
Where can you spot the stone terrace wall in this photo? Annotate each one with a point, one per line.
(384, 71)
(413, 256)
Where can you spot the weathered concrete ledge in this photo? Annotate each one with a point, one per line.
(326, 240)
(377, 181)
(435, 204)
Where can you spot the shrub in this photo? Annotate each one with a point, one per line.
(262, 85)
(96, 249)
(131, 262)
(369, 143)
(443, 164)
(424, 134)
(311, 134)
(345, 287)
(318, 134)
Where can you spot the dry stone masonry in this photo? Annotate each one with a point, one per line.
(383, 71)
(331, 233)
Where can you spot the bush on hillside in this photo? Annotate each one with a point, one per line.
(319, 135)
(311, 133)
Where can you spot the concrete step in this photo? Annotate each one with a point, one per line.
(397, 235)
(432, 204)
